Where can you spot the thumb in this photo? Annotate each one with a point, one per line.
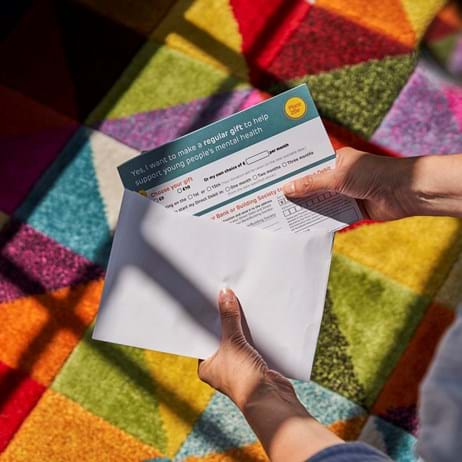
(309, 184)
(230, 314)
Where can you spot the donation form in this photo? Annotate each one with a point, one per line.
(233, 170)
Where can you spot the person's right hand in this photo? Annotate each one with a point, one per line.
(386, 188)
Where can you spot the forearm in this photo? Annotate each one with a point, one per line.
(283, 426)
(436, 185)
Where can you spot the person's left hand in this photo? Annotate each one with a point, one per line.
(237, 369)
(266, 398)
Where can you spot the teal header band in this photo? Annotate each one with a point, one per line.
(217, 140)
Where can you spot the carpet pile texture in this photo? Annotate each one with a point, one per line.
(86, 85)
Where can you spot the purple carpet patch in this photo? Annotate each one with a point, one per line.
(148, 130)
(420, 121)
(31, 263)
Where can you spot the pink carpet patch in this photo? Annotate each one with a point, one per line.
(454, 97)
(255, 97)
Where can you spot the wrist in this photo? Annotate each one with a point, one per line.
(273, 392)
(284, 427)
(435, 186)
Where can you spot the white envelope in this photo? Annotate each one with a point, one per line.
(166, 269)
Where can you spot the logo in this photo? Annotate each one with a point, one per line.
(295, 107)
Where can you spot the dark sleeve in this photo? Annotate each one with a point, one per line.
(349, 452)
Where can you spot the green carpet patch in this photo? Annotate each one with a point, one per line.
(113, 382)
(376, 316)
(359, 96)
(159, 77)
(333, 367)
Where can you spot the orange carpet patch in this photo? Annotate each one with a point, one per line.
(39, 332)
(348, 430)
(387, 17)
(72, 433)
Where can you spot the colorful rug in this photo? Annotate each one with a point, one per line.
(87, 84)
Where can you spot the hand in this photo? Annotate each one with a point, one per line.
(267, 399)
(237, 369)
(388, 188)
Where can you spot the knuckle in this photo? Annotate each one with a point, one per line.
(304, 184)
(229, 311)
(237, 339)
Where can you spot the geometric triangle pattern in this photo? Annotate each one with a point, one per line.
(333, 367)
(420, 14)
(67, 205)
(182, 396)
(148, 83)
(322, 42)
(113, 382)
(85, 86)
(67, 424)
(147, 130)
(265, 27)
(213, 432)
(413, 264)
(359, 96)
(377, 318)
(389, 19)
(206, 30)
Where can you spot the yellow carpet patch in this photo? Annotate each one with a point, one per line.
(46, 328)
(181, 395)
(205, 30)
(60, 430)
(417, 252)
(421, 13)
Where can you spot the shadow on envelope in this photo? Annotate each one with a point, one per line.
(166, 269)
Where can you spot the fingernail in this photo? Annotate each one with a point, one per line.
(289, 188)
(226, 296)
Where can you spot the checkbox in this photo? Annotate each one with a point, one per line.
(255, 177)
(227, 188)
(190, 196)
(284, 164)
(179, 190)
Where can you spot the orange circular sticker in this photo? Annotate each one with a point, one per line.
(295, 107)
